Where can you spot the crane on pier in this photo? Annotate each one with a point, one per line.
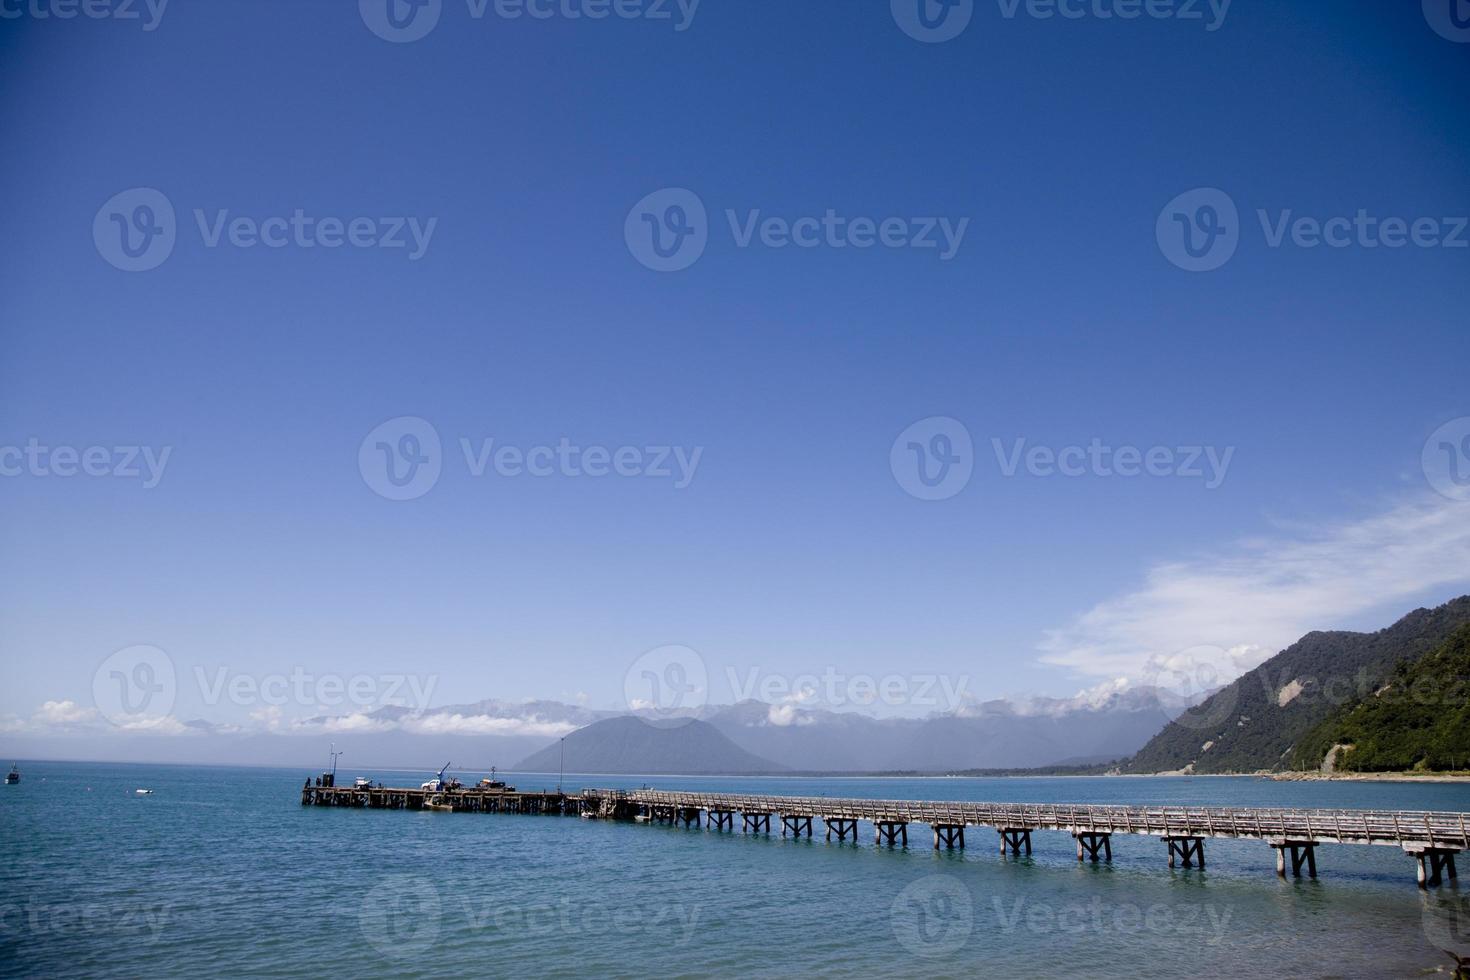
(437, 783)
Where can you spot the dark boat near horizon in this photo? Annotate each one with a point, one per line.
(13, 776)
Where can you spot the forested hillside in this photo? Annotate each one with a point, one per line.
(1419, 719)
(1257, 721)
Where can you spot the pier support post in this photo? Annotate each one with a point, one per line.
(891, 832)
(722, 819)
(949, 836)
(844, 826)
(688, 816)
(1434, 864)
(796, 823)
(1188, 850)
(1302, 852)
(756, 823)
(1091, 843)
(1014, 839)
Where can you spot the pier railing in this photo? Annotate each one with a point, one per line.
(1384, 827)
(1432, 838)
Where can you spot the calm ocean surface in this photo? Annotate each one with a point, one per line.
(222, 871)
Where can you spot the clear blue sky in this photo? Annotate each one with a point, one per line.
(528, 320)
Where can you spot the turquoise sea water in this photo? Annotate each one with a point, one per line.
(222, 871)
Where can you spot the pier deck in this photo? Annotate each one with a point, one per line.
(1386, 827)
(1431, 838)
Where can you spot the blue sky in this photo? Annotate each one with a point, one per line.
(528, 319)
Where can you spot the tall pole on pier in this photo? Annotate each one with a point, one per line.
(562, 772)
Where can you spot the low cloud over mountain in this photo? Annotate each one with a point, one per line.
(1110, 721)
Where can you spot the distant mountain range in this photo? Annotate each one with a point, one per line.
(1257, 721)
(682, 746)
(995, 734)
(1324, 690)
(1101, 726)
(754, 736)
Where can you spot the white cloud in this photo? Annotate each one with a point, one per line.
(457, 724)
(269, 717)
(785, 715)
(63, 714)
(1099, 694)
(357, 722)
(159, 725)
(65, 717)
(1258, 597)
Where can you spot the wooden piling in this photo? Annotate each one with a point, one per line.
(1014, 839)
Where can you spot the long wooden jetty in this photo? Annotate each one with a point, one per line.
(1431, 838)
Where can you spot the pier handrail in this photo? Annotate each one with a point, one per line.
(1345, 826)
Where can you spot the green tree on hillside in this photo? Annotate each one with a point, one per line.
(1419, 719)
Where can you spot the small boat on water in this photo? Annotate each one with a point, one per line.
(13, 776)
(438, 805)
(143, 792)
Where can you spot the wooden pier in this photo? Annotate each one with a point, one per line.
(1431, 839)
(466, 799)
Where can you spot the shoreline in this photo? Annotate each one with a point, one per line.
(1370, 777)
(1312, 776)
